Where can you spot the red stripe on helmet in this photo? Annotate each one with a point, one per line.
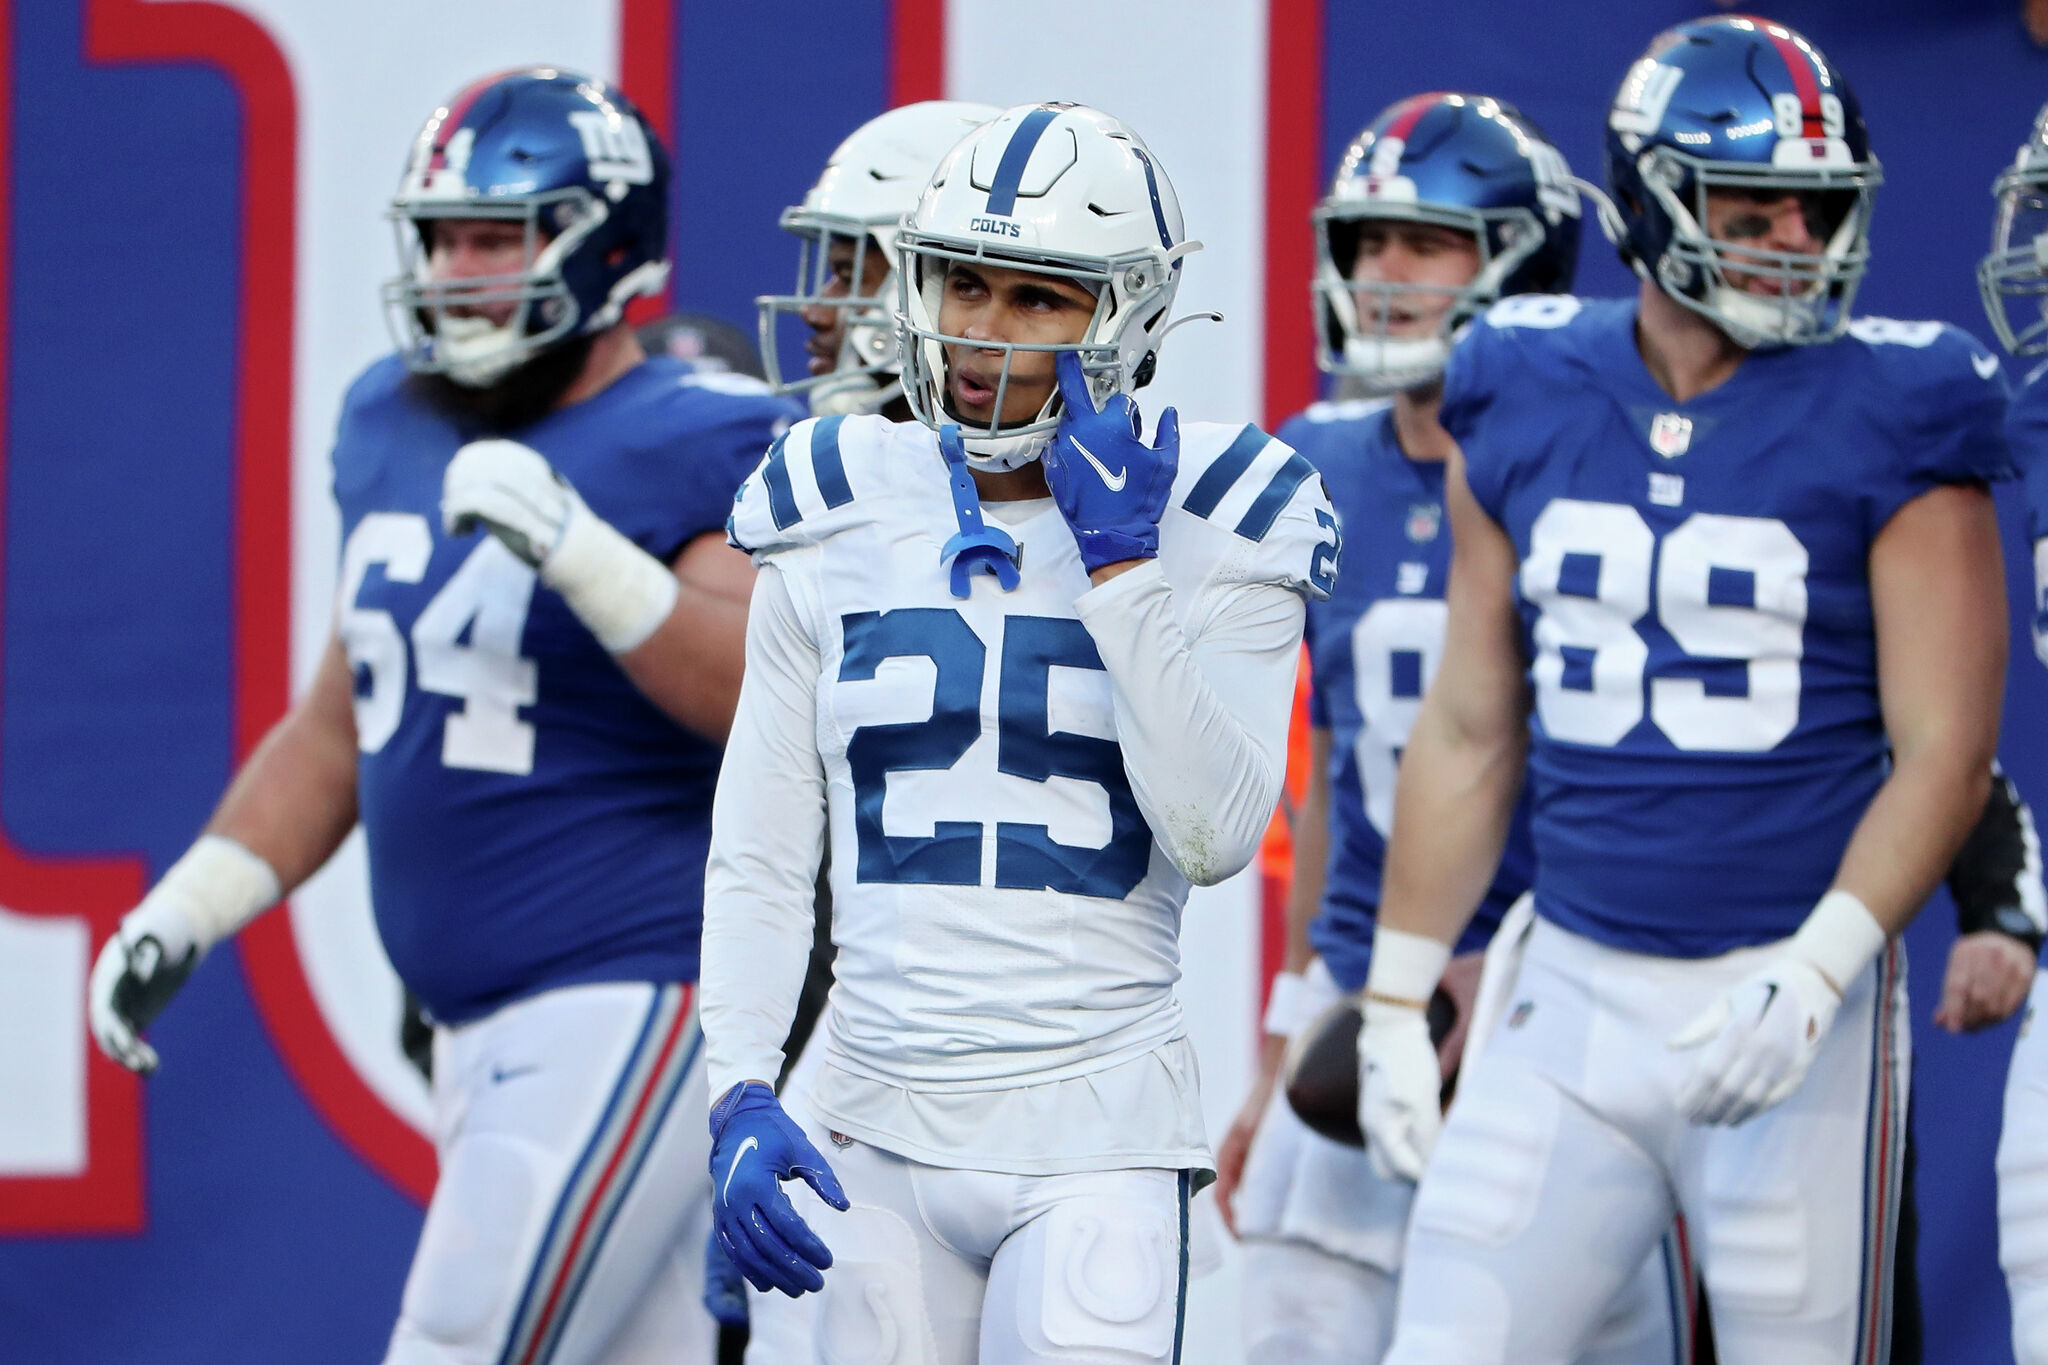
(1800, 61)
(458, 110)
(1409, 113)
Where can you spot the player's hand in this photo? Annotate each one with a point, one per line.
(1756, 1041)
(1109, 485)
(1237, 1142)
(725, 1293)
(511, 491)
(1461, 983)
(1400, 1089)
(1989, 975)
(138, 971)
(755, 1146)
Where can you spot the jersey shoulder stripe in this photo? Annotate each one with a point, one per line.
(803, 488)
(1246, 486)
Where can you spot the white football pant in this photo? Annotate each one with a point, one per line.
(932, 1266)
(1565, 1159)
(2023, 1183)
(569, 1221)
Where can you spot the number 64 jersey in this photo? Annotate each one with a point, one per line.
(1695, 594)
(1018, 788)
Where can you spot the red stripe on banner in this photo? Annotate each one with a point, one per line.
(1800, 64)
(647, 70)
(107, 1196)
(566, 1271)
(917, 51)
(243, 51)
(1294, 170)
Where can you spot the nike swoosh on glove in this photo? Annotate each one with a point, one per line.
(513, 492)
(1756, 1041)
(755, 1146)
(1109, 485)
(1400, 1089)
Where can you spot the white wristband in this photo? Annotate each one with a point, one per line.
(1840, 938)
(1405, 967)
(218, 886)
(621, 592)
(1291, 1005)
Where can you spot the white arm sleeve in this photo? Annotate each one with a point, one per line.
(1203, 724)
(767, 833)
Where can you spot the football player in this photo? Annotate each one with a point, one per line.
(846, 267)
(2014, 281)
(537, 652)
(1032, 673)
(1442, 205)
(1737, 556)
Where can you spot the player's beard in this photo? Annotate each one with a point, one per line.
(526, 394)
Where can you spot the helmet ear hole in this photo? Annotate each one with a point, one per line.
(1142, 376)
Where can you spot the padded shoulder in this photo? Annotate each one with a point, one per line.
(819, 478)
(1268, 499)
(1948, 393)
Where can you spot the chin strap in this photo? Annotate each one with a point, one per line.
(978, 547)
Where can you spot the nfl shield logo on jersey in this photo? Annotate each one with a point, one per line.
(1670, 434)
(1424, 520)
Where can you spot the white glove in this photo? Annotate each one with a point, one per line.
(216, 888)
(617, 589)
(1400, 1088)
(1400, 1084)
(1757, 1040)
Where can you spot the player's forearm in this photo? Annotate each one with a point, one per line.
(1203, 725)
(691, 667)
(1454, 802)
(294, 801)
(1912, 831)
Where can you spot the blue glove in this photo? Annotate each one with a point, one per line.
(1110, 486)
(725, 1294)
(754, 1148)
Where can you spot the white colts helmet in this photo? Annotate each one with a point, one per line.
(870, 182)
(1055, 189)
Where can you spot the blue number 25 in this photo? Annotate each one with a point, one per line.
(1027, 856)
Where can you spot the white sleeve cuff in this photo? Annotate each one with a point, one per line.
(621, 592)
(1405, 967)
(218, 886)
(1840, 938)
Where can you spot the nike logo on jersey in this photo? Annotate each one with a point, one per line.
(1113, 482)
(737, 1157)
(502, 1074)
(1985, 365)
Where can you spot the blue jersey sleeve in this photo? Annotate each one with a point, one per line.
(1951, 398)
(1318, 705)
(2026, 432)
(690, 479)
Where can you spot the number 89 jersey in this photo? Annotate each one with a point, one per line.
(533, 821)
(1695, 594)
(1373, 647)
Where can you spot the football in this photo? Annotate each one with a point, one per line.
(1321, 1070)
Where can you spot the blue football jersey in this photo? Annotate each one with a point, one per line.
(533, 821)
(1695, 597)
(2026, 427)
(1373, 647)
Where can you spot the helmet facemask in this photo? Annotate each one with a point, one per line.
(443, 326)
(1117, 349)
(1357, 337)
(2013, 277)
(1813, 304)
(866, 369)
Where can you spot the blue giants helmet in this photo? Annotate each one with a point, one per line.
(1465, 162)
(2013, 277)
(1742, 104)
(569, 157)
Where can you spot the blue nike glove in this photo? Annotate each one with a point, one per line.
(1109, 485)
(754, 1148)
(725, 1294)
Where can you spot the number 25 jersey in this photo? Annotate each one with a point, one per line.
(1695, 595)
(533, 821)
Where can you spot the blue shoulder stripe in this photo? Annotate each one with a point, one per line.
(1265, 509)
(1002, 192)
(827, 464)
(1229, 467)
(781, 498)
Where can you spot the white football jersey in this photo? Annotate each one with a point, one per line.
(1005, 915)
